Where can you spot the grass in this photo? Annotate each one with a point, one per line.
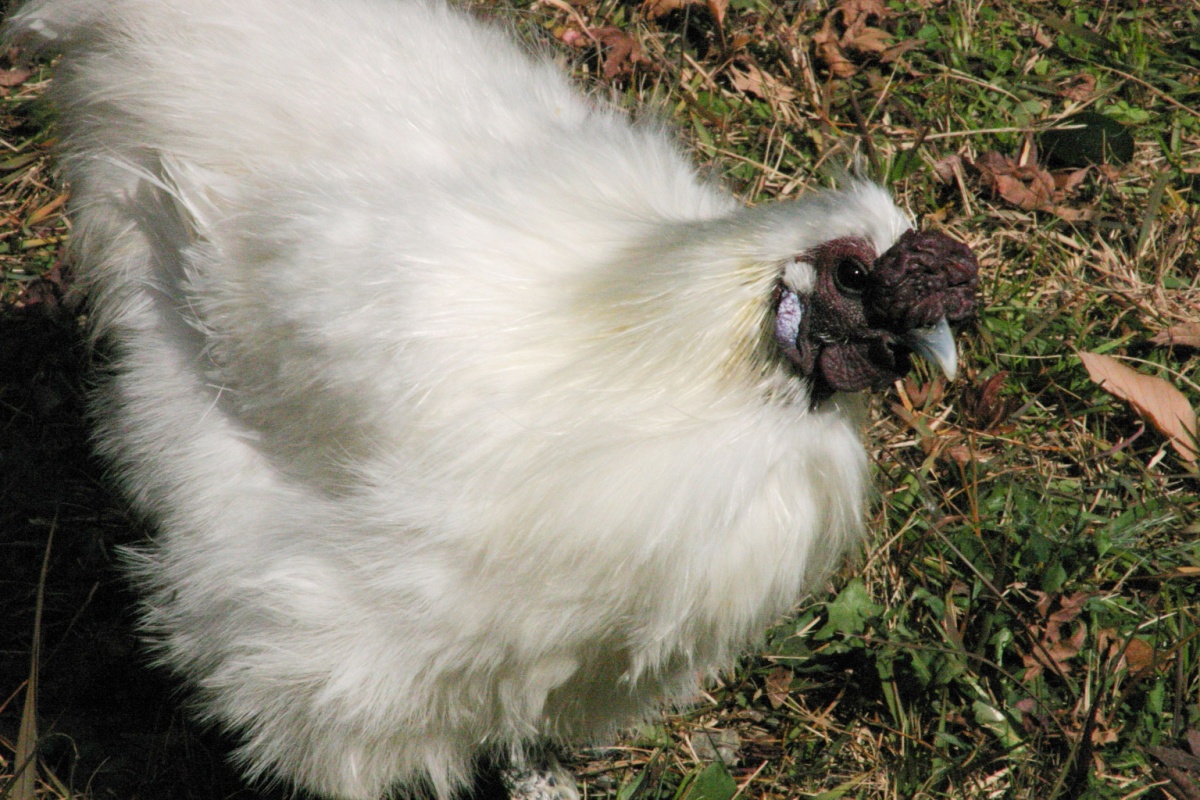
(1024, 622)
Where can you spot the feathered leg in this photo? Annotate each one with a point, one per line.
(539, 777)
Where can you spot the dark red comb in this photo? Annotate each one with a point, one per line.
(922, 278)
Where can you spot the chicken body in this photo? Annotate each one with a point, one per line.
(456, 399)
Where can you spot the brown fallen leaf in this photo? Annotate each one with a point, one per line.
(750, 79)
(1061, 634)
(1140, 657)
(983, 405)
(1080, 88)
(847, 32)
(1067, 180)
(622, 52)
(831, 54)
(897, 50)
(1069, 608)
(1054, 654)
(1185, 335)
(1153, 398)
(948, 169)
(1029, 186)
(963, 455)
(922, 395)
(1102, 735)
(14, 77)
(1031, 191)
(857, 13)
(779, 684)
(718, 8)
(656, 9)
(868, 40)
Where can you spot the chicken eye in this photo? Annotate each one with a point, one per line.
(850, 275)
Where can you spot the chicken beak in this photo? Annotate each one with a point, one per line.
(936, 343)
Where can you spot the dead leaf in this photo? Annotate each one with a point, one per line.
(1069, 608)
(868, 40)
(830, 51)
(963, 455)
(622, 52)
(717, 8)
(947, 169)
(1185, 335)
(750, 79)
(1140, 657)
(984, 407)
(779, 685)
(923, 395)
(858, 11)
(1064, 649)
(14, 77)
(1067, 181)
(1070, 214)
(1045, 600)
(1080, 88)
(1054, 650)
(1026, 185)
(847, 31)
(1153, 398)
(657, 9)
(1030, 194)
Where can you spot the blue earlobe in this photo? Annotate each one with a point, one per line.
(788, 315)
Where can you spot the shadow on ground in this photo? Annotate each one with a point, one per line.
(110, 725)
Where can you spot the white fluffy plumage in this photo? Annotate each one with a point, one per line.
(452, 394)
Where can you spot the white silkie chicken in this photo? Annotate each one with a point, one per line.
(470, 417)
